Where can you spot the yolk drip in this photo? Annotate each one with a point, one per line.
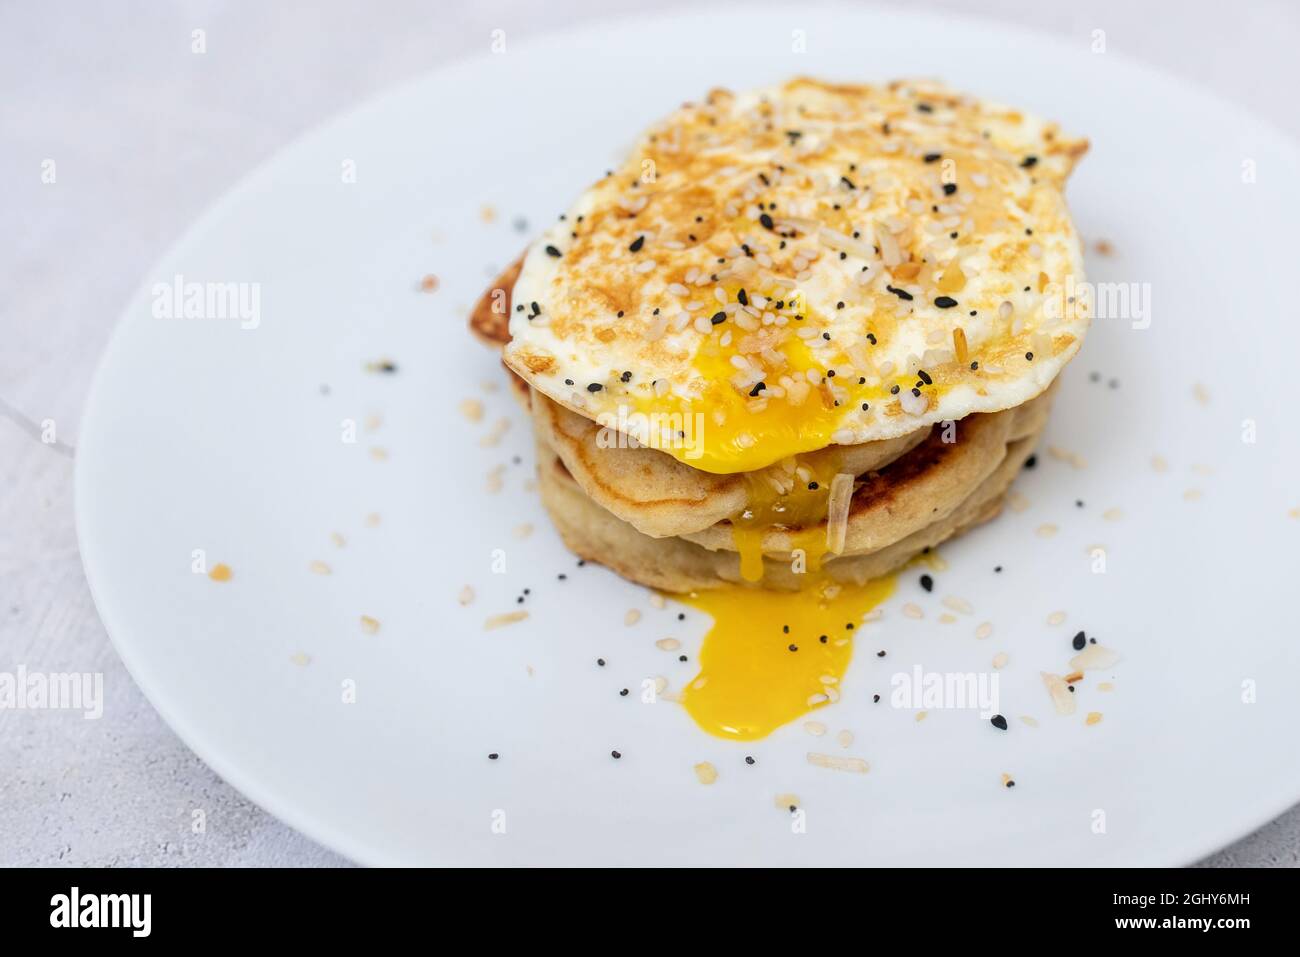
(750, 681)
(727, 430)
(799, 504)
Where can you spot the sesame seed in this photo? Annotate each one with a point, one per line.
(637, 244)
(945, 302)
(552, 251)
(998, 722)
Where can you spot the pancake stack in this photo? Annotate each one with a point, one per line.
(807, 331)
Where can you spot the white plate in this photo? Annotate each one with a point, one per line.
(201, 435)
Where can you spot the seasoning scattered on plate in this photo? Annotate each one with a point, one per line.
(506, 618)
(836, 763)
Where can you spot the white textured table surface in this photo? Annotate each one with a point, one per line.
(145, 135)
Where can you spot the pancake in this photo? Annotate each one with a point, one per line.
(662, 496)
(915, 490)
(677, 565)
(805, 266)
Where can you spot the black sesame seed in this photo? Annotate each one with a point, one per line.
(875, 698)
(900, 293)
(823, 638)
(625, 377)
(812, 486)
(594, 387)
(785, 629)
(945, 302)
(949, 188)
(742, 298)
(766, 220)
(568, 382)
(880, 654)
(998, 722)
(794, 647)
(1079, 641)
(924, 377)
(637, 244)
(893, 390)
(749, 759)
(616, 754)
(927, 583)
(718, 318)
(758, 387)
(1029, 161)
(1031, 461)
(932, 157)
(493, 756)
(552, 251)
(1029, 356)
(623, 693)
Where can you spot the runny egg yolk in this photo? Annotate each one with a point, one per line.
(796, 501)
(773, 656)
(722, 429)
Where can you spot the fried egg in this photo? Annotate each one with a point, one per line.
(778, 271)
